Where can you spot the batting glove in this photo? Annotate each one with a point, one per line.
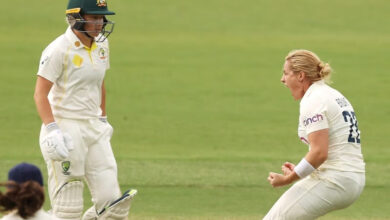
(56, 144)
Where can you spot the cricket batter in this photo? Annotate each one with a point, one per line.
(332, 174)
(75, 135)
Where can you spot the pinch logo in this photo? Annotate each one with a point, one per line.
(313, 119)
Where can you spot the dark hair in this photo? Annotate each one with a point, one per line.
(27, 198)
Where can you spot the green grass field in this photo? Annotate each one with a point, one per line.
(195, 98)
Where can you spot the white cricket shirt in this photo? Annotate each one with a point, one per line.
(39, 215)
(77, 73)
(323, 107)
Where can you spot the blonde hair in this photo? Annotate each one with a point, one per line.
(309, 63)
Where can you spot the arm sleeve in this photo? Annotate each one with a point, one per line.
(50, 65)
(314, 116)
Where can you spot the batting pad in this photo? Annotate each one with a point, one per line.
(68, 201)
(120, 208)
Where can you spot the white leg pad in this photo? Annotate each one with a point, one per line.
(119, 209)
(68, 201)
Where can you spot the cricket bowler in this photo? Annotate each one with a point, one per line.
(331, 175)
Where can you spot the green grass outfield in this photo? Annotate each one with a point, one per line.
(195, 98)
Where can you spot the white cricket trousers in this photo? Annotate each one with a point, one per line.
(314, 196)
(91, 160)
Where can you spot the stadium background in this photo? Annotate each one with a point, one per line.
(194, 96)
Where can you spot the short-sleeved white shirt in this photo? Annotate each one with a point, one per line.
(323, 107)
(77, 74)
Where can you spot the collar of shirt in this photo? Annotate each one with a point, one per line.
(75, 41)
(312, 88)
